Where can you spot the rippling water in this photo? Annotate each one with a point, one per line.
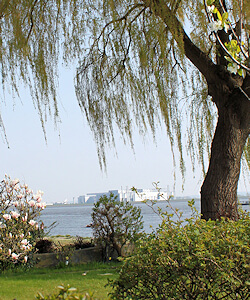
(73, 219)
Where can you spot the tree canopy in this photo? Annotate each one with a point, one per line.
(34, 36)
(141, 64)
(138, 73)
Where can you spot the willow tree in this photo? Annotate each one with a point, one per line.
(154, 60)
(32, 32)
(143, 63)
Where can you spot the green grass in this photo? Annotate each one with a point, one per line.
(62, 240)
(24, 285)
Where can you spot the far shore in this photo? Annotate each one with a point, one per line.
(184, 199)
(177, 199)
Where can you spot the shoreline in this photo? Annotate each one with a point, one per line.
(243, 200)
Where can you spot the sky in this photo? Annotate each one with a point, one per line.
(67, 165)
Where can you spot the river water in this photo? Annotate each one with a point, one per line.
(73, 219)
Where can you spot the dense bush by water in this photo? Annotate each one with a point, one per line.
(190, 259)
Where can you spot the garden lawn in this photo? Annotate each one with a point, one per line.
(24, 285)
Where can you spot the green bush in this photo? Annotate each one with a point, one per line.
(66, 293)
(190, 259)
(82, 243)
(115, 223)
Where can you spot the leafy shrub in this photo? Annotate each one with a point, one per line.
(190, 259)
(66, 293)
(44, 246)
(19, 227)
(115, 223)
(81, 243)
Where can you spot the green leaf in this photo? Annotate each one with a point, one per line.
(210, 2)
(240, 72)
(224, 17)
(219, 15)
(234, 43)
(228, 58)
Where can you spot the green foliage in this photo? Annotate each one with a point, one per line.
(136, 75)
(44, 246)
(82, 243)
(32, 33)
(115, 223)
(191, 259)
(132, 67)
(67, 293)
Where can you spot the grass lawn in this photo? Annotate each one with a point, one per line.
(24, 285)
(65, 239)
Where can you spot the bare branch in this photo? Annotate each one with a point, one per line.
(192, 52)
(118, 20)
(31, 20)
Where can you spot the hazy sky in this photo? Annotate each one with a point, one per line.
(67, 166)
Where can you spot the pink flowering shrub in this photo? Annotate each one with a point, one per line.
(19, 224)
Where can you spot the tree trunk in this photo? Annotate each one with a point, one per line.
(219, 189)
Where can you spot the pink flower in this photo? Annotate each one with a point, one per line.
(21, 235)
(40, 192)
(41, 205)
(14, 182)
(16, 203)
(24, 247)
(38, 196)
(15, 214)
(32, 203)
(24, 242)
(7, 217)
(25, 259)
(38, 199)
(9, 251)
(20, 196)
(10, 235)
(14, 256)
(32, 222)
(25, 218)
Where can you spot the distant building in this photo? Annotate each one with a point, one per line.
(94, 197)
(147, 194)
(127, 195)
(81, 199)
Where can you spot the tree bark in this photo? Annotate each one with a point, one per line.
(219, 189)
